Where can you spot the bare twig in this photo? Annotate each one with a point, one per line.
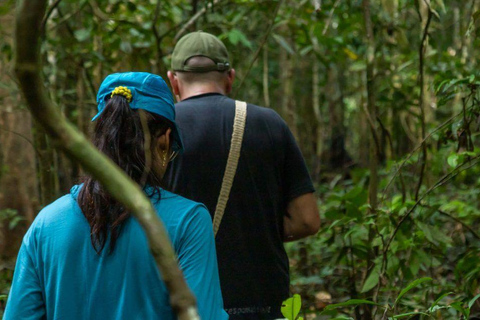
(49, 13)
(415, 150)
(473, 232)
(439, 183)
(255, 56)
(161, 68)
(24, 138)
(67, 17)
(330, 16)
(422, 97)
(372, 126)
(193, 19)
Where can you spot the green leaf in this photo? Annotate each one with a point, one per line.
(126, 47)
(371, 281)
(236, 36)
(470, 304)
(281, 41)
(453, 160)
(291, 307)
(3, 297)
(458, 306)
(408, 314)
(351, 303)
(411, 286)
(440, 299)
(82, 34)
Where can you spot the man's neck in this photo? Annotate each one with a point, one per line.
(196, 90)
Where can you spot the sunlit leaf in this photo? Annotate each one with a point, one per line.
(291, 307)
(452, 160)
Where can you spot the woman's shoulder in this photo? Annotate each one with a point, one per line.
(52, 219)
(174, 200)
(57, 211)
(181, 211)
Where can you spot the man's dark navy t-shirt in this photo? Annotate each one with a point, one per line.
(271, 171)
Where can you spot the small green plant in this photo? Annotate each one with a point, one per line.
(291, 307)
(389, 310)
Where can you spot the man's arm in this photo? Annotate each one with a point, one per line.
(302, 219)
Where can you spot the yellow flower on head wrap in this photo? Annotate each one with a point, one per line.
(122, 91)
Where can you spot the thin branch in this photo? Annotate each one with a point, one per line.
(28, 68)
(49, 13)
(415, 150)
(97, 11)
(473, 232)
(372, 126)
(24, 138)
(67, 17)
(255, 56)
(158, 41)
(422, 97)
(439, 183)
(330, 16)
(193, 19)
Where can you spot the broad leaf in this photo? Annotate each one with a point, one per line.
(371, 281)
(291, 307)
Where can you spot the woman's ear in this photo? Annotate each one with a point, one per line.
(163, 142)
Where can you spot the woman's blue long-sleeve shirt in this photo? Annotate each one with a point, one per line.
(59, 275)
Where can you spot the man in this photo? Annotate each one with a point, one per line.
(271, 200)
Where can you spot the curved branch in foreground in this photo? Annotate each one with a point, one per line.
(28, 69)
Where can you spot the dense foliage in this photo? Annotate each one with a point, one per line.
(401, 232)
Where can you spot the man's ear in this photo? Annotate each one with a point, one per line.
(173, 82)
(230, 79)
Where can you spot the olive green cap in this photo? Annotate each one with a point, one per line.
(203, 44)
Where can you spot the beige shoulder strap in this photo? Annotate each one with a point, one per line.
(232, 162)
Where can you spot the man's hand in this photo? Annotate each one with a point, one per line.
(303, 219)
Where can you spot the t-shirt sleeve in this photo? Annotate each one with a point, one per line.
(25, 300)
(296, 178)
(198, 261)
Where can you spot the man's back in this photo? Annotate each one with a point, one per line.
(271, 172)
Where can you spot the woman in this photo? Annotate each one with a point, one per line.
(84, 257)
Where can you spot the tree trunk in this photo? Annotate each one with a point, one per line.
(287, 98)
(46, 171)
(319, 128)
(373, 143)
(18, 190)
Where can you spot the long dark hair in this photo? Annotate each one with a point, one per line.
(120, 134)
